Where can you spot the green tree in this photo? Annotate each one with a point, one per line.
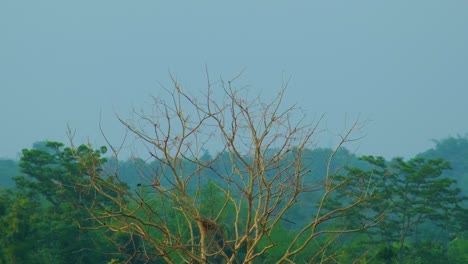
(422, 206)
(42, 216)
(454, 150)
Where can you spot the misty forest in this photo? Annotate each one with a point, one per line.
(266, 194)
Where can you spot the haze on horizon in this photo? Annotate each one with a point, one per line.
(400, 64)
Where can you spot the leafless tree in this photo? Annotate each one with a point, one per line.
(224, 208)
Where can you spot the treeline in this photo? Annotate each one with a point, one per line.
(50, 211)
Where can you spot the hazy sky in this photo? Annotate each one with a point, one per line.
(402, 64)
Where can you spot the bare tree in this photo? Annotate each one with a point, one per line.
(224, 208)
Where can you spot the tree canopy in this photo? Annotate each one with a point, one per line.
(267, 196)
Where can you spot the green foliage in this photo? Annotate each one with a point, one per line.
(18, 229)
(454, 150)
(40, 219)
(421, 208)
(114, 261)
(458, 249)
(416, 194)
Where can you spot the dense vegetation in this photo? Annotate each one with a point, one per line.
(268, 196)
(42, 221)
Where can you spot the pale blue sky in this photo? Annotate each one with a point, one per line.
(403, 64)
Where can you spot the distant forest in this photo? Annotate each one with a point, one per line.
(40, 224)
